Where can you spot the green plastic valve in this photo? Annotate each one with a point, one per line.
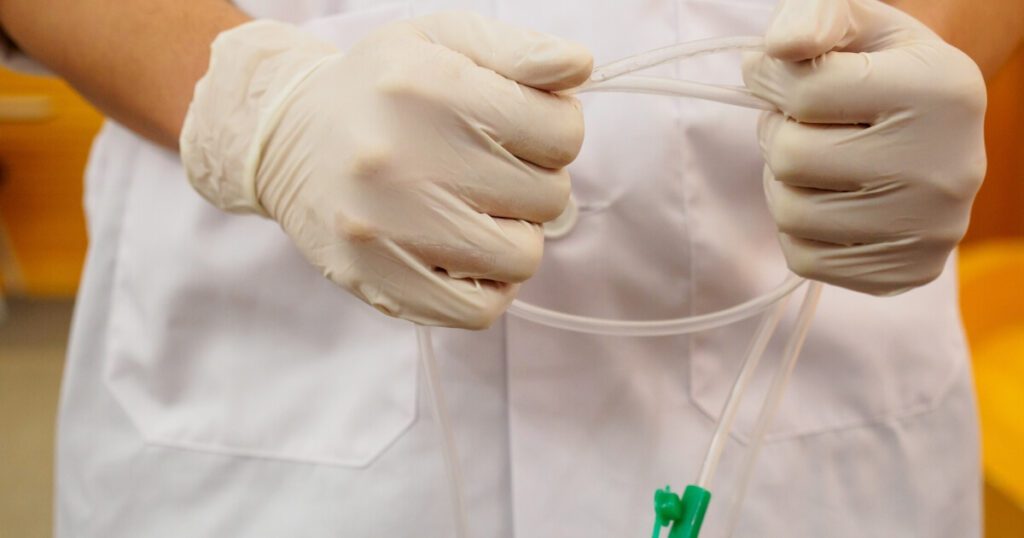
(685, 515)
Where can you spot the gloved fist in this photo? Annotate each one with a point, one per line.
(414, 170)
(878, 151)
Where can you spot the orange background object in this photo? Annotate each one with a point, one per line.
(42, 228)
(999, 210)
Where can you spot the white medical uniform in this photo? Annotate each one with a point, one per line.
(218, 386)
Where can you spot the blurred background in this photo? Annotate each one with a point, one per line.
(45, 132)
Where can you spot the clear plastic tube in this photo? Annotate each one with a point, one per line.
(755, 351)
(439, 406)
(776, 299)
(730, 95)
(611, 77)
(667, 327)
(773, 399)
(671, 53)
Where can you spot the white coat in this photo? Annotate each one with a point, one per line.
(218, 386)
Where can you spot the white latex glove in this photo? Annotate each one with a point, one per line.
(873, 164)
(414, 170)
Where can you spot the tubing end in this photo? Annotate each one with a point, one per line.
(685, 514)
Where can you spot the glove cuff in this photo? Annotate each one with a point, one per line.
(253, 69)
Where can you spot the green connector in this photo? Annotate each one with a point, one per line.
(685, 515)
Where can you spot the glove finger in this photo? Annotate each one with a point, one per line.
(827, 182)
(878, 269)
(839, 87)
(841, 218)
(461, 303)
(395, 281)
(514, 189)
(826, 157)
(502, 250)
(467, 303)
(505, 73)
(527, 57)
(535, 126)
(461, 98)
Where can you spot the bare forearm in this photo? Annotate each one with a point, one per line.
(989, 31)
(138, 61)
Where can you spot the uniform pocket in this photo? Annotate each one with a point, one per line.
(223, 339)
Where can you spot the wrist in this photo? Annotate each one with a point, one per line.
(253, 69)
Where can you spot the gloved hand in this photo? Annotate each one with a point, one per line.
(875, 158)
(414, 170)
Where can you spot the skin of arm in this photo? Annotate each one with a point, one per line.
(988, 31)
(137, 61)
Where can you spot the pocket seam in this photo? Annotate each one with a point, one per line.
(272, 456)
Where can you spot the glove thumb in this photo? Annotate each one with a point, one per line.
(530, 58)
(805, 29)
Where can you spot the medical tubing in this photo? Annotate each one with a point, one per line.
(670, 53)
(755, 351)
(610, 77)
(603, 79)
(440, 409)
(773, 399)
(730, 95)
(667, 327)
